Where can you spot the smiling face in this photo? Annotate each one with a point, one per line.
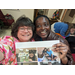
(25, 33)
(42, 27)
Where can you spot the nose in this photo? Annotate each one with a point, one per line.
(42, 27)
(25, 30)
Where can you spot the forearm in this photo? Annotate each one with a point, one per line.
(64, 60)
(1, 55)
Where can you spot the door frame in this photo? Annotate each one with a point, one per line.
(35, 13)
(65, 11)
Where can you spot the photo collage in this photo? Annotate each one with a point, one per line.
(37, 55)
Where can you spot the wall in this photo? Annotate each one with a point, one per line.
(62, 13)
(67, 18)
(50, 12)
(17, 13)
(73, 19)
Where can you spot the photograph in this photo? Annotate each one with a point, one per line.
(28, 63)
(41, 51)
(49, 63)
(46, 54)
(26, 55)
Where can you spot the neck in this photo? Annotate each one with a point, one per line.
(25, 41)
(43, 39)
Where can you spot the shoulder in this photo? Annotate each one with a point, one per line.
(5, 38)
(53, 36)
(32, 40)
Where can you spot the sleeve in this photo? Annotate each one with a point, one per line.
(7, 47)
(51, 52)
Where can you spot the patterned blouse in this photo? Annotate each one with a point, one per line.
(7, 46)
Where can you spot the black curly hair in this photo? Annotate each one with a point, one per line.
(41, 16)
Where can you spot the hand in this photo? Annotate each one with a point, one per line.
(61, 48)
(30, 59)
(1, 56)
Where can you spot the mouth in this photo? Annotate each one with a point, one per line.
(43, 32)
(25, 35)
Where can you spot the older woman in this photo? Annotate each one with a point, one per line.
(44, 33)
(22, 31)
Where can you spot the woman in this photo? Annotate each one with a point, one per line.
(63, 28)
(22, 31)
(44, 33)
(32, 56)
(44, 51)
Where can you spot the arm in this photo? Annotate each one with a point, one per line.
(63, 49)
(51, 56)
(7, 51)
(53, 36)
(64, 60)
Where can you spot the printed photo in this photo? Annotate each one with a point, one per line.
(45, 55)
(28, 63)
(26, 55)
(40, 52)
(49, 63)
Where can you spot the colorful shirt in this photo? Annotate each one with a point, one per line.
(50, 52)
(7, 46)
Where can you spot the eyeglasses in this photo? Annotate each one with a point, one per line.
(22, 28)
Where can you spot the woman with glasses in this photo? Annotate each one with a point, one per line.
(22, 31)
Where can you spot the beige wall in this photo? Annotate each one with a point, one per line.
(50, 12)
(69, 19)
(73, 19)
(17, 13)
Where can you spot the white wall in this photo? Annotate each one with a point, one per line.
(17, 13)
(50, 12)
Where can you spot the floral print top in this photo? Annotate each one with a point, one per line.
(7, 46)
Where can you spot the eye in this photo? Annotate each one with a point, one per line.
(45, 24)
(21, 28)
(29, 28)
(38, 26)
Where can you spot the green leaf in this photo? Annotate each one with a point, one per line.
(13, 51)
(10, 48)
(10, 62)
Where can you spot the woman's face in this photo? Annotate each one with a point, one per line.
(24, 33)
(72, 30)
(42, 27)
(31, 55)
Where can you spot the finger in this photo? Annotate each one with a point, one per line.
(59, 44)
(56, 49)
(60, 49)
(63, 51)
